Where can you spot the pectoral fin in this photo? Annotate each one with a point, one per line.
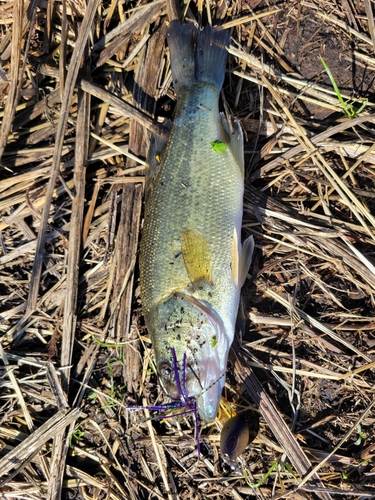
(197, 256)
(235, 259)
(246, 258)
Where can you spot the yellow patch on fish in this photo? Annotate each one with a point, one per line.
(197, 256)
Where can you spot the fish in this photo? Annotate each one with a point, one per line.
(192, 263)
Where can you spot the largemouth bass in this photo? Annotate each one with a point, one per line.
(192, 263)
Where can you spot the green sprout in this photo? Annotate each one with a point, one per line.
(361, 435)
(262, 479)
(115, 391)
(77, 435)
(347, 107)
(93, 396)
(353, 468)
(106, 344)
(56, 56)
(290, 470)
(149, 371)
(273, 467)
(219, 146)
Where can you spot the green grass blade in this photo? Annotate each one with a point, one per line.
(336, 89)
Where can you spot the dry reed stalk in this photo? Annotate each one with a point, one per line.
(309, 207)
(64, 115)
(121, 34)
(121, 106)
(59, 450)
(280, 430)
(15, 76)
(20, 456)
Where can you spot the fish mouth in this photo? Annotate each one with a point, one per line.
(208, 399)
(200, 391)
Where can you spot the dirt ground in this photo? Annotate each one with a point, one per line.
(82, 87)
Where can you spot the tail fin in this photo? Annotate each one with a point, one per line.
(196, 55)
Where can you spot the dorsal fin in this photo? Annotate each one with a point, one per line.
(234, 138)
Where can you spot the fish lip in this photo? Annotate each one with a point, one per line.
(208, 403)
(208, 399)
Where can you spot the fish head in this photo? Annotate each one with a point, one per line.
(191, 350)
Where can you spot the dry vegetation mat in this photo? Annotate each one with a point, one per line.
(82, 87)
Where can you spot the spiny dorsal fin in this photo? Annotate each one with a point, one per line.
(235, 138)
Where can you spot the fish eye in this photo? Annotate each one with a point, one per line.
(165, 370)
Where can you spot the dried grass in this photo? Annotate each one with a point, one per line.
(81, 89)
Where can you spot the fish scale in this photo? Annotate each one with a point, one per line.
(194, 187)
(190, 251)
